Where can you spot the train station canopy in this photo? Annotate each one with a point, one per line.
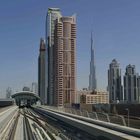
(25, 96)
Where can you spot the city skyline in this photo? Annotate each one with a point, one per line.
(115, 24)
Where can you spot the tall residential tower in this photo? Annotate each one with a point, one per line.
(64, 61)
(114, 82)
(92, 76)
(42, 72)
(61, 46)
(131, 85)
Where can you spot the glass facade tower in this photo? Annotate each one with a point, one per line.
(52, 15)
(131, 85)
(114, 82)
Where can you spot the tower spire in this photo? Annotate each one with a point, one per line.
(92, 48)
(91, 45)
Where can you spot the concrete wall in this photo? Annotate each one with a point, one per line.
(87, 107)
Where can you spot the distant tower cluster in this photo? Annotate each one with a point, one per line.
(114, 82)
(92, 76)
(131, 85)
(57, 66)
(42, 87)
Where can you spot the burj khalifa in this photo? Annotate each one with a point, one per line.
(92, 76)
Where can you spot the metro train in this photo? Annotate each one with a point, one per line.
(6, 102)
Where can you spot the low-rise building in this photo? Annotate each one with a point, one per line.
(95, 97)
(79, 93)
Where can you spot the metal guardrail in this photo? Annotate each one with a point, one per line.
(84, 123)
(135, 133)
(111, 118)
(117, 119)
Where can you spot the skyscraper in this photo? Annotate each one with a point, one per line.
(52, 15)
(92, 76)
(8, 92)
(34, 87)
(25, 88)
(42, 72)
(131, 85)
(114, 82)
(64, 61)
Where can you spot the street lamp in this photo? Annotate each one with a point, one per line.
(127, 115)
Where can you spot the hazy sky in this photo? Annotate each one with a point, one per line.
(116, 26)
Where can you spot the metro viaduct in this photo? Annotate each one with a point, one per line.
(26, 98)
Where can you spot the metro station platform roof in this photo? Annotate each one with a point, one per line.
(26, 95)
